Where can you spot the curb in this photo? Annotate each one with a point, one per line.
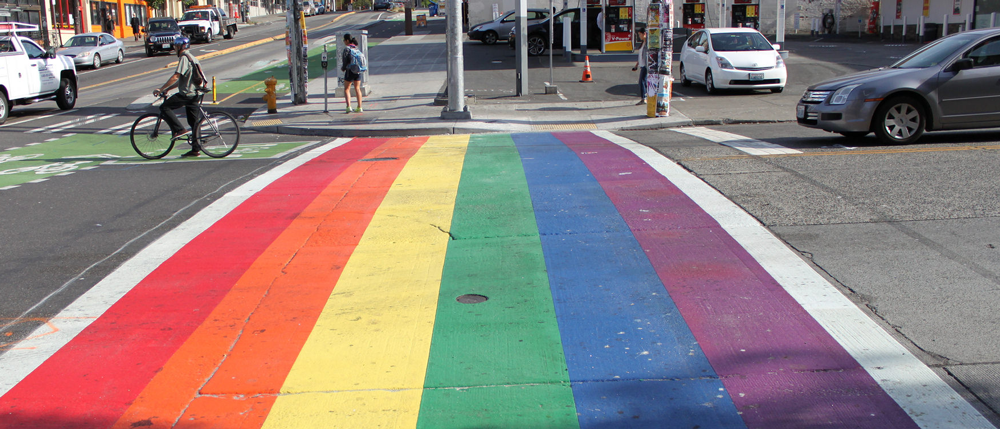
(436, 130)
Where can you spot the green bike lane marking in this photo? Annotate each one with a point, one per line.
(498, 363)
(254, 82)
(40, 161)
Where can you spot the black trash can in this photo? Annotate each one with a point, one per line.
(931, 31)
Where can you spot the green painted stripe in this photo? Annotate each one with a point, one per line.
(498, 363)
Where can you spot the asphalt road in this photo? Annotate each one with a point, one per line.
(909, 233)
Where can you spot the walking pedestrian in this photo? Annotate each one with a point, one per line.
(135, 26)
(640, 64)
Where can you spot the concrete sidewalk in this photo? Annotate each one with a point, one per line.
(408, 74)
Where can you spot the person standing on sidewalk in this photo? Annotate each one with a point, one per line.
(135, 26)
(640, 64)
(351, 78)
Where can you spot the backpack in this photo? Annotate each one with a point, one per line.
(198, 78)
(358, 62)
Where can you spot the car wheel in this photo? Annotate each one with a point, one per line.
(709, 83)
(490, 37)
(66, 96)
(536, 45)
(899, 120)
(229, 33)
(777, 90)
(97, 61)
(208, 37)
(684, 79)
(149, 52)
(854, 135)
(121, 57)
(4, 107)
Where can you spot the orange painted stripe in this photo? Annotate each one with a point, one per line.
(250, 341)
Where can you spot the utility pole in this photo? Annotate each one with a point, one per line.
(456, 108)
(295, 43)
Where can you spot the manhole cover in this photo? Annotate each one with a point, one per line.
(471, 299)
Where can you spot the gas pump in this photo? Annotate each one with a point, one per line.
(619, 24)
(746, 13)
(693, 14)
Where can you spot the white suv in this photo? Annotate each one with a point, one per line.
(28, 73)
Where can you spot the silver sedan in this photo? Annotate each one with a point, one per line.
(93, 49)
(950, 84)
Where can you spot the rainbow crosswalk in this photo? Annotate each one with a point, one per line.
(621, 293)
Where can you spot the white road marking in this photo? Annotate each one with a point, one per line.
(927, 399)
(62, 126)
(37, 118)
(89, 120)
(736, 141)
(19, 361)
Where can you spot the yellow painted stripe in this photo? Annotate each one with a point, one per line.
(363, 365)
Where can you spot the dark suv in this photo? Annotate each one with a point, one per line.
(381, 5)
(160, 35)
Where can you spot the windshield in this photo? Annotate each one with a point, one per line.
(189, 16)
(934, 53)
(726, 42)
(80, 41)
(162, 26)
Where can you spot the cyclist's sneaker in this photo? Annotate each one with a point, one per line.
(190, 153)
(348, 109)
(359, 110)
(181, 134)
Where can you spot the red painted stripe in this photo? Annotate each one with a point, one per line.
(248, 345)
(93, 379)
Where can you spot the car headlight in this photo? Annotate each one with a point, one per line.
(778, 62)
(841, 95)
(724, 63)
(84, 54)
(477, 28)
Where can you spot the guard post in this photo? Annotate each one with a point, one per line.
(326, 92)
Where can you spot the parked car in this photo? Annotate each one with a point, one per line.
(93, 49)
(949, 84)
(722, 58)
(381, 5)
(538, 33)
(308, 8)
(160, 35)
(500, 28)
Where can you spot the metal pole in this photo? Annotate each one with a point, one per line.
(456, 108)
(920, 28)
(944, 26)
(552, 39)
(326, 91)
(968, 22)
(779, 28)
(521, 53)
(993, 19)
(295, 40)
(904, 29)
(583, 27)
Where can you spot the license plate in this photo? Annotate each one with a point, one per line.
(166, 46)
(756, 76)
(800, 111)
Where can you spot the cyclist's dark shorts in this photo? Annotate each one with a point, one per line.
(350, 76)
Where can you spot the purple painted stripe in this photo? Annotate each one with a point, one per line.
(781, 368)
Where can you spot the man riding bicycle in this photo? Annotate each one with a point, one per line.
(187, 94)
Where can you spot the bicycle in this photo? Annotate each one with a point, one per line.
(217, 134)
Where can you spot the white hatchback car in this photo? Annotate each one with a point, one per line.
(732, 58)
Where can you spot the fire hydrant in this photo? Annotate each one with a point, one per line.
(269, 96)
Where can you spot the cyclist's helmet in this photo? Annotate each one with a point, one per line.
(182, 42)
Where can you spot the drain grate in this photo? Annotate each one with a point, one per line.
(471, 299)
(378, 159)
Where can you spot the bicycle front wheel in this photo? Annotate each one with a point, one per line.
(147, 138)
(217, 134)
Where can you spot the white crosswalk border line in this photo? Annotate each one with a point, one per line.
(62, 126)
(736, 141)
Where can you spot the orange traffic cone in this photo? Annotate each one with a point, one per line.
(587, 77)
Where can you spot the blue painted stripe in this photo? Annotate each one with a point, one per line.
(632, 360)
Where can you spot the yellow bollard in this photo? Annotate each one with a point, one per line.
(269, 95)
(215, 99)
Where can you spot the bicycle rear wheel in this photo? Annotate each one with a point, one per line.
(217, 134)
(147, 138)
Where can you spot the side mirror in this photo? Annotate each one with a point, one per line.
(776, 46)
(50, 53)
(962, 64)
(700, 49)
